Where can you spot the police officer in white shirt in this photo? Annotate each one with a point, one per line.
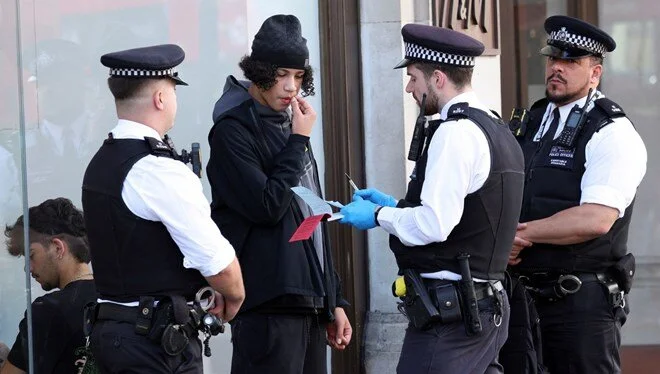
(463, 199)
(153, 243)
(584, 161)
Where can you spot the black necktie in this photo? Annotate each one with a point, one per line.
(550, 134)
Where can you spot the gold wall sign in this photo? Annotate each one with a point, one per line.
(478, 18)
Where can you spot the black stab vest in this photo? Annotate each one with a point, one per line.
(490, 215)
(552, 184)
(132, 257)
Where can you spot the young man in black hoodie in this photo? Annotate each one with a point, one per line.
(259, 150)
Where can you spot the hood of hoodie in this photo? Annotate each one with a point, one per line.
(234, 94)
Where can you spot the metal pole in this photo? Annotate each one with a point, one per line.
(26, 216)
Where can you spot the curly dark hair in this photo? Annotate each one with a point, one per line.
(54, 218)
(264, 74)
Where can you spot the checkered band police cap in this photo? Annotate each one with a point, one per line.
(140, 73)
(572, 38)
(417, 52)
(579, 41)
(157, 61)
(424, 43)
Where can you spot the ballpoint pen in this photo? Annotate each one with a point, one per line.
(350, 181)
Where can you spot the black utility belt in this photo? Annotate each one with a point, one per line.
(171, 323)
(429, 301)
(552, 286)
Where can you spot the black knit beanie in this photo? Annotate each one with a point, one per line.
(279, 41)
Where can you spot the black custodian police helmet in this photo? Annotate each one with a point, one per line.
(158, 61)
(570, 38)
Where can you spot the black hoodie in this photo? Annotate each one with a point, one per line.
(254, 162)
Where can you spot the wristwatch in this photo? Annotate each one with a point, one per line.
(378, 208)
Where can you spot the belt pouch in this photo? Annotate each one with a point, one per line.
(419, 307)
(449, 307)
(145, 313)
(623, 272)
(163, 316)
(177, 333)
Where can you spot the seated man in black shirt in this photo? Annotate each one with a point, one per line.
(59, 258)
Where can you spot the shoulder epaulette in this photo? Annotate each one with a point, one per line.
(458, 110)
(158, 147)
(610, 108)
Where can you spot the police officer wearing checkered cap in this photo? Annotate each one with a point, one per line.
(583, 170)
(463, 198)
(149, 226)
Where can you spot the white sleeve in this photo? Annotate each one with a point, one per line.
(459, 164)
(615, 165)
(165, 190)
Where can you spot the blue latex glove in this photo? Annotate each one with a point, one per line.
(359, 213)
(376, 196)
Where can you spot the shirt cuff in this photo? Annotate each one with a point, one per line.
(223, 258)
(604, 195)
(385, 218)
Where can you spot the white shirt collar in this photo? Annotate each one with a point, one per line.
(126, 129)
(469, 97)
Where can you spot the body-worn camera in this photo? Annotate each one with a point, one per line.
(194, 157)
(417, 141)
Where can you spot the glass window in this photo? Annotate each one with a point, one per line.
(631, 79)
(12, 277)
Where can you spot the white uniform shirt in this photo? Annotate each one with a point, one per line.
(166, 190)
(459, 164)
(615, 158)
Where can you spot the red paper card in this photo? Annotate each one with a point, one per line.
(306, 228)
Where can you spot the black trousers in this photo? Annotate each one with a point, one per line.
(582, 332)
(278, 344)
(118, 349)
(446, 348)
